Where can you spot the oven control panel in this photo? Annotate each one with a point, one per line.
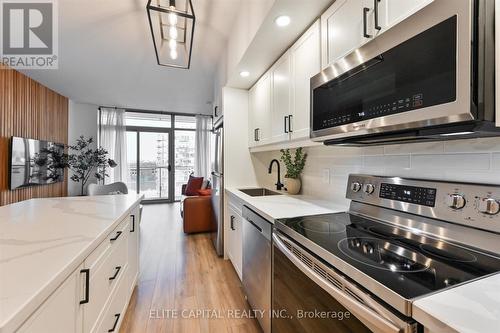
(474, 205)
(412, 194)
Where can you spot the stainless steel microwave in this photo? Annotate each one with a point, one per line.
(430, 77)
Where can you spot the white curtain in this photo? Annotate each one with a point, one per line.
(113, 138)
(202, 147)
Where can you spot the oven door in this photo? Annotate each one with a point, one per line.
(417, 74)
(308, 296)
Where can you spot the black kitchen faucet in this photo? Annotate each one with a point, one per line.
(279, 185)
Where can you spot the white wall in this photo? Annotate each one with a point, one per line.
(82, 121)
(238, 167)
(476, 160)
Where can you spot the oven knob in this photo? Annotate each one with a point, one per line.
(455, 201)
(489, 206)
(355, 187)
(369, 188)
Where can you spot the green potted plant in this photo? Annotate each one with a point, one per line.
(293, 169)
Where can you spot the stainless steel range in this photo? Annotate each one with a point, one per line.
(402, 239)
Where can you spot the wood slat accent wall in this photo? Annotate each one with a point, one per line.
(30, 110)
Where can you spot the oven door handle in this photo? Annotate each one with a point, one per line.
(368, 315)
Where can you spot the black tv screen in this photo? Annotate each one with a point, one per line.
(34, 162)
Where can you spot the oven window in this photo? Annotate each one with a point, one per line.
(418, 73)
(300, 305)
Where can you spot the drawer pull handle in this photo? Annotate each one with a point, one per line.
(87, 285)
(117, 317)
(118, 268)
(133, 223)
(118, 233)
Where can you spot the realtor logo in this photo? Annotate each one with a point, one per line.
(29, 34)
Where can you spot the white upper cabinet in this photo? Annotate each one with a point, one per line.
(392, 12)
(280, 89)
(348, 24)
(342, 29)
(306, 62)
(260, 112)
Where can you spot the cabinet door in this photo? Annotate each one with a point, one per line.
(280, 92)
(342, 29)
(133, 248)
(234, 239)
(61, 312)
(306, 62)
(392, 12)
(251, 116)
(261, 109)
(238, 245)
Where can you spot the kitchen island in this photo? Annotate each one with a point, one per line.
(63, 257)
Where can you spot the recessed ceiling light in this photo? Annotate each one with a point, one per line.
(282, 21)
(245, 74)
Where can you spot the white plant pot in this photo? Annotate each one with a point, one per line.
(292, 185)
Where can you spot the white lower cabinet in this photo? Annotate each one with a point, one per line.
(61, 312)
(234, 237)
(94, 297)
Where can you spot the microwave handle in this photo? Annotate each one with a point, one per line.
(368, 315)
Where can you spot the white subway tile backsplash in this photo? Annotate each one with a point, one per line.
(415, 148)
(465, 160)
(473, 145)
(478, 162)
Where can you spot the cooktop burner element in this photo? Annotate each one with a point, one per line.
(383, 254)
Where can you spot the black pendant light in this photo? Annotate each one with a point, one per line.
(172, 27)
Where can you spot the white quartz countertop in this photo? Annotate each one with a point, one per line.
(274, 207)
(42, 241)
(471, 308)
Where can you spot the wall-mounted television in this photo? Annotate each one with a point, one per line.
(34, 162)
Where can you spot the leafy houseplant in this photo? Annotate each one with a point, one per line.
(293, 168)
(85, 162)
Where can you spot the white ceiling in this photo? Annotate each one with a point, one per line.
(106, 56)
(271, 41)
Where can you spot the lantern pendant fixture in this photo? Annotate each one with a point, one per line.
(172, 28)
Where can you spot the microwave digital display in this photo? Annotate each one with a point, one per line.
(418, 73)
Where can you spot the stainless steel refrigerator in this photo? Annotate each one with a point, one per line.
(218, 186)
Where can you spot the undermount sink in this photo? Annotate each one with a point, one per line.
(258, 192)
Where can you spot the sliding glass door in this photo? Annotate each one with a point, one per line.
(160, 153)
(149, 155)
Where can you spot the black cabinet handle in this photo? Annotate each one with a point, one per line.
(257, 130)
(87, 285)
(290, 130)
(285, 125)
(117, 317)
(232, 222)
(118, 233)
(375, 9)
(365, 12)
(133, 223)
(118, 268)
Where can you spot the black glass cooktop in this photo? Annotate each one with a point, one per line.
(409, 263)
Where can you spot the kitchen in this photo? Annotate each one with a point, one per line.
(273, 166)
(399, 156)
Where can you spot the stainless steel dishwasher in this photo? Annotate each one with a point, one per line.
(257, 265)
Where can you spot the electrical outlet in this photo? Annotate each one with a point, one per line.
(326, 176)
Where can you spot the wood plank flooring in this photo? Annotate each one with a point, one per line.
(181, 274)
